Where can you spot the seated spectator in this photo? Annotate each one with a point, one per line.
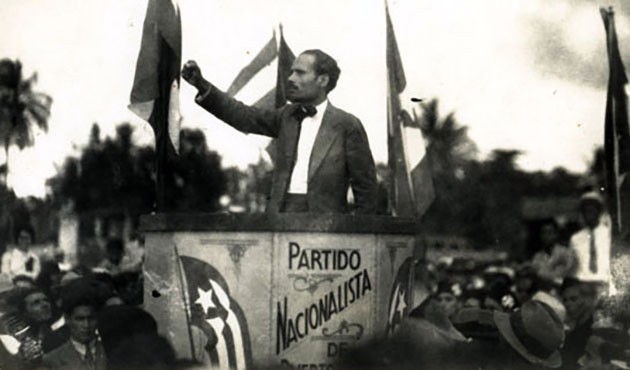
(21, 260)
(84, 349)
(114, 252)
(553, 262)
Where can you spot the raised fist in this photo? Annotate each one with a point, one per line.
(192, 74)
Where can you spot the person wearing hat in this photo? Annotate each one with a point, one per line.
(534, 333)
(592, 243)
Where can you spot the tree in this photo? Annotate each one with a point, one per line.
(22, 109)
(448, 144)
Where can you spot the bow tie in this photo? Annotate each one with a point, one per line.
(303, 111)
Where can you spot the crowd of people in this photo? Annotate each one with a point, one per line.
(83, 318)
(559, 309)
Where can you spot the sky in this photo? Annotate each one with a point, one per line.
(529, 75)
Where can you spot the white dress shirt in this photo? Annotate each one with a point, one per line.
(581, 244)
(14, 263)
(308, 133)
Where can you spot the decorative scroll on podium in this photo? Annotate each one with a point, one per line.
(292, 289)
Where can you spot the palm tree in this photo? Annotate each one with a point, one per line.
(21, 108)
(448, 144)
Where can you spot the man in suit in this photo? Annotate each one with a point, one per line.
(84, 350)
(322, 150)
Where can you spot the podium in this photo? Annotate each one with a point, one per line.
(237, 290)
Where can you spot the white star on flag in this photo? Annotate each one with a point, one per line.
(401, 305)
(205, 300)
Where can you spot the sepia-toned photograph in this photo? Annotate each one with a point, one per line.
(314, 185)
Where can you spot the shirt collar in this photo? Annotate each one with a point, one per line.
(321, 108)
(82, 348)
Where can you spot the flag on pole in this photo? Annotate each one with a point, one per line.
(276, 96)
(617, 132)
(262, 59)
(215, 313)
(155, 91)
(411, 185)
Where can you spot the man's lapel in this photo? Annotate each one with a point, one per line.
(325, 137)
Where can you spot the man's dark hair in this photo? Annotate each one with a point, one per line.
(80, 292)
(325, 65)
(18, 299)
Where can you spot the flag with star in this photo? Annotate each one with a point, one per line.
(217, 315)
(400, 297)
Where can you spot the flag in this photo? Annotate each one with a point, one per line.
(411, 185)
(400, 299)
(617, 132)
(276, 96)
(217, 315)
(262, 59)
(285, 62)
(155, 91)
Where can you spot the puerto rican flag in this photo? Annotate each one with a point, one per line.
(400, 297)
(213, 311)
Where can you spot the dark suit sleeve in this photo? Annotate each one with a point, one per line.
(361, 169)
(242, 117)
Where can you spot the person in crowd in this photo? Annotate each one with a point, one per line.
(23, 282)
(114, 252)
(579, 299)
(21, 260)
(553, 262)
(131, 340)
(39, 314)
(605, 350)
(530, 337)
(592, 243)
(84, 349)
(447, 297)
(499, 295)
(322, 150)
(526, 283)
(49, 279)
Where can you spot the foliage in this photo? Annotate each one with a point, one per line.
(116, 176)
(481, 199)
(21, 108)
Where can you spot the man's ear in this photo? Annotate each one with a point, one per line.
(323, 80)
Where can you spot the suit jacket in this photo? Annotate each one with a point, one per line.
(340, 158)
(67, 357)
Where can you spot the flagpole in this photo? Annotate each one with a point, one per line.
(185, 299)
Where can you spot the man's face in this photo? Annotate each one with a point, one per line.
(574, 302)
(82, 324)
(304, 84)
(448, 303)
(24, 240)
(37, 307)
(548, 235)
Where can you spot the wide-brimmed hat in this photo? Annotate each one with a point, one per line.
(534, 331)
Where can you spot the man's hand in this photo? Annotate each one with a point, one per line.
(192, 74)
(31, 350)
